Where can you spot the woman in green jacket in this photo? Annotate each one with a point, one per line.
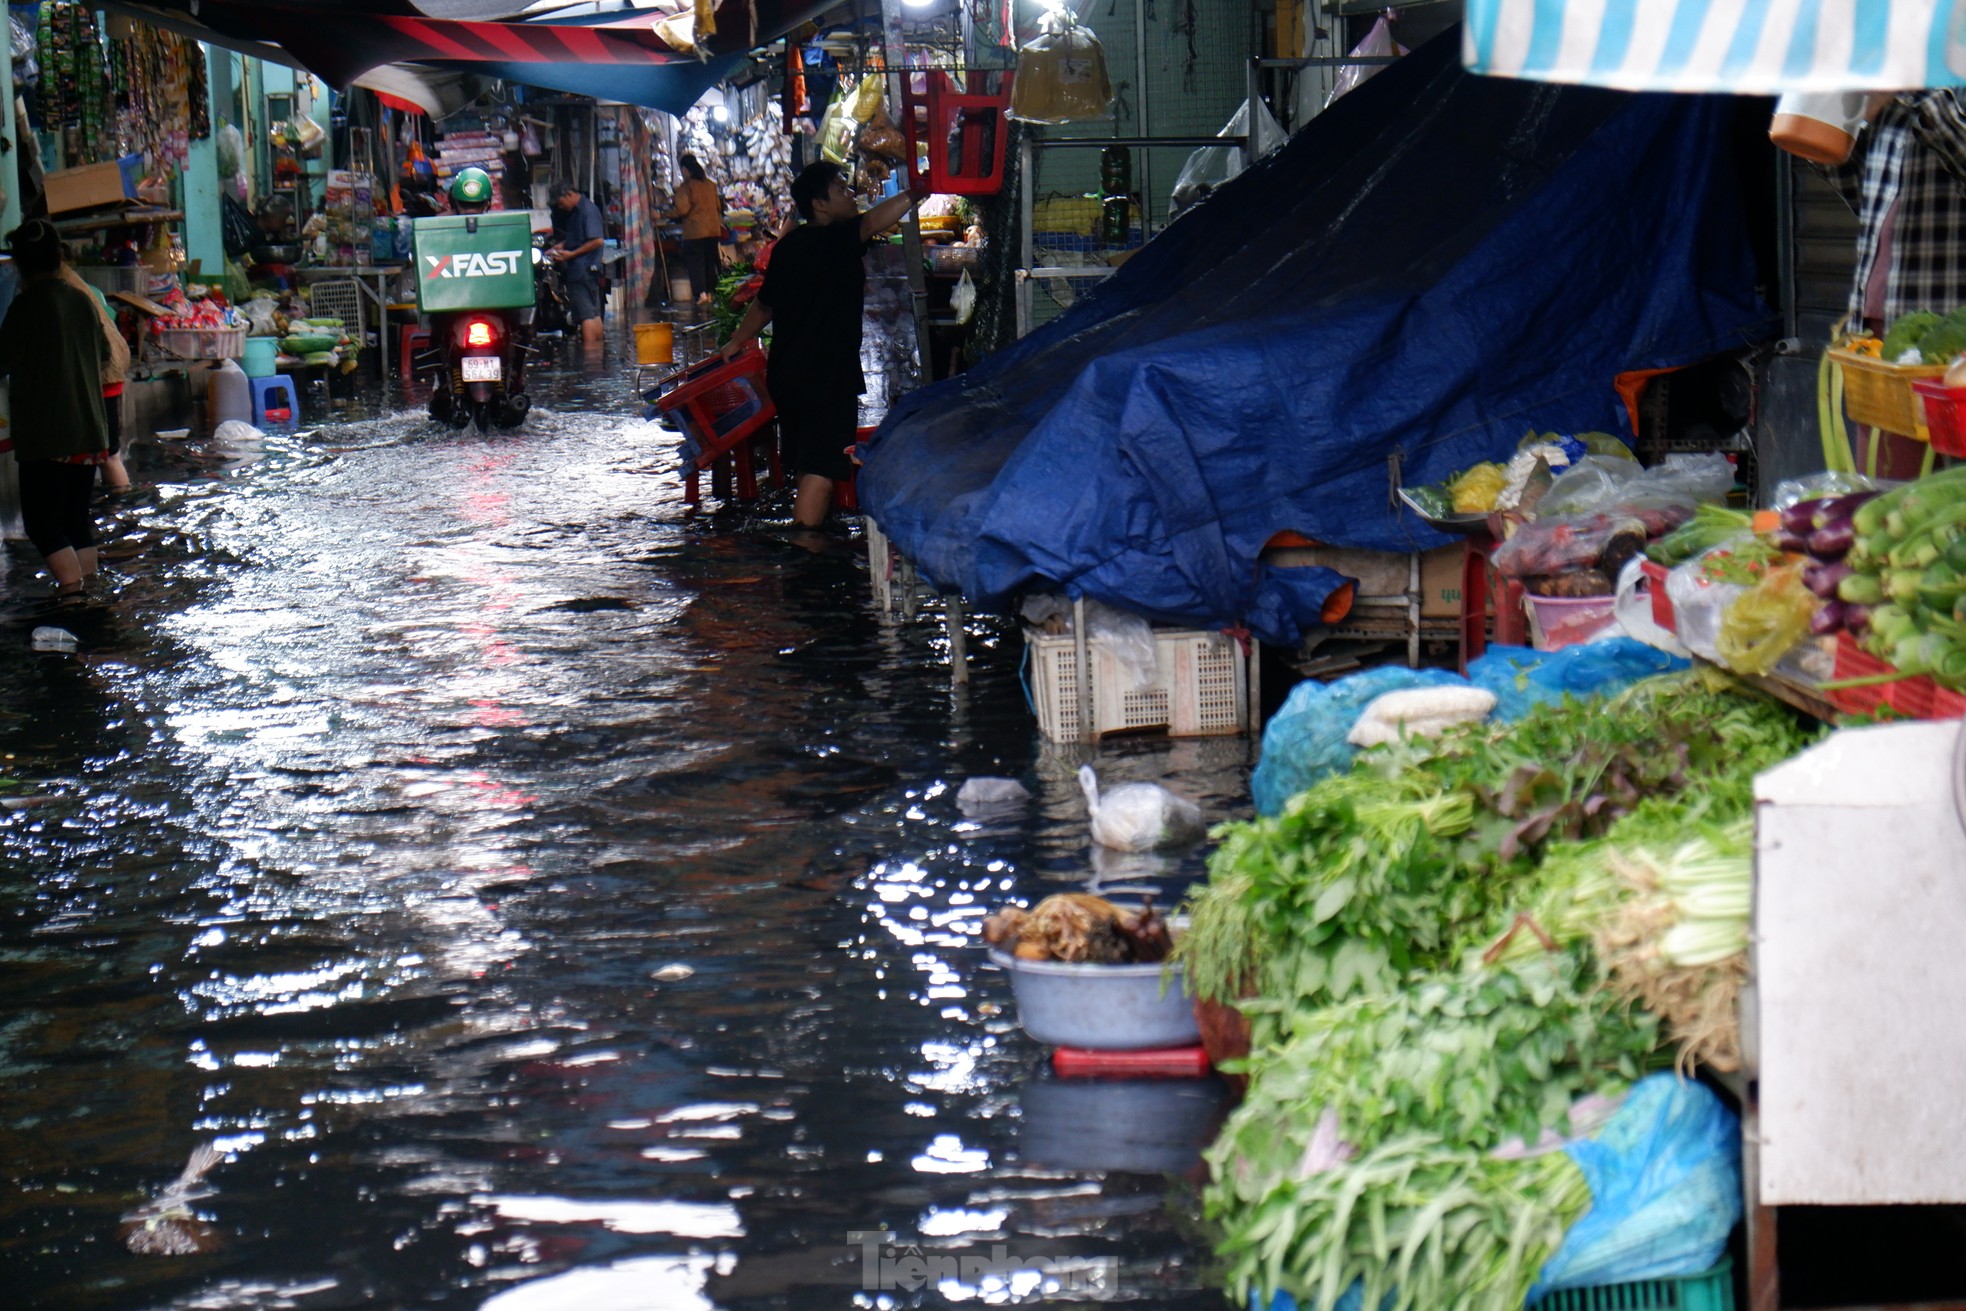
(52, 345)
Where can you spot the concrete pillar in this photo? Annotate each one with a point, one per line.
(198, 186)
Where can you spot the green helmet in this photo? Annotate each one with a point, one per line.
(472, 186)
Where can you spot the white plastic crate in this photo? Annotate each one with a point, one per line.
(338, 299)
(1202, 689)
(199, 343)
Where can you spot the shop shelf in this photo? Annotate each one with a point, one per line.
(1711, 1291)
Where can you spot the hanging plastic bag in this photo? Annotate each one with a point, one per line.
(1758, 629)
(836, 129)
(963, 299)
(1378, 43)
(231, 151)
(869, 98)
(1061, 74)
(1211, 166)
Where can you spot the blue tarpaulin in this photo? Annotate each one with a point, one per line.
(1430, 268)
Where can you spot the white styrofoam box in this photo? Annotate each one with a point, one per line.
(1202, 688)
(1859, 917)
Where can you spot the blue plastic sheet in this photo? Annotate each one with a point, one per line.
(1523, 679)
(1430, 268)
(1305, 740)
(1665, 1177)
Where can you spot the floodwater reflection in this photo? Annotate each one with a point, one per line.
(471, 882)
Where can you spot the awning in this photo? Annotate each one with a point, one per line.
(433, 94)
(1754, 47)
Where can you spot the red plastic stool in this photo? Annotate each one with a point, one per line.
(964, 129)
(414, 334)
(846, 492)
(1511, 625)
(725, 413)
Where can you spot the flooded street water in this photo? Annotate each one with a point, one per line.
(539, 898)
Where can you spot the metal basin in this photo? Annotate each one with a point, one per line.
(1102, 1007)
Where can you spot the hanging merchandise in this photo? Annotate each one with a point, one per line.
(1116, 191)
(1061, 73)
(73, 94)
(418, 173)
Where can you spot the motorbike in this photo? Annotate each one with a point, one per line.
(477, 358)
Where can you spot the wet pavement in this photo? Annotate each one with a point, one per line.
(504, 890)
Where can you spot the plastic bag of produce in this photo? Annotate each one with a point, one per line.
(1794, 491)
(1061, 74)
(1665, 1180)
(1305, 741)
(1522, 679)
(1568, 545)
(1607, 483)
(1762, 623)
(1211, 166)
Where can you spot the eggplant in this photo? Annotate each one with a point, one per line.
(1822, 578)
(1833, 542)
(1829, 619)
(1800, 518)
(1835, 509)
(1793, 543)
(1856, 619)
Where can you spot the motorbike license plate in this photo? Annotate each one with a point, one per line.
(479, 368)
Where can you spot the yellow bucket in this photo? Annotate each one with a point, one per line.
(655, 343)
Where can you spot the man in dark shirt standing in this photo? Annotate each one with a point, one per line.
(579, 252)
(813, 295)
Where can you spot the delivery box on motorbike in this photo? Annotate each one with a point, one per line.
(473, 262)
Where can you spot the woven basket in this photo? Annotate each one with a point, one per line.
(1880, 394)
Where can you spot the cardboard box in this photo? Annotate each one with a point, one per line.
(93, 185)
(1388, 573)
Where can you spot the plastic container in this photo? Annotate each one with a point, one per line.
(1711, 1290)
(655, 343)
(1945, 414)
(232, 394)
(261, 356)
(1101, 1007)
(1559, 621)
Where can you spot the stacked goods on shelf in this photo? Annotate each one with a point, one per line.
(457, 151)
(350, 210)
(1437, 952)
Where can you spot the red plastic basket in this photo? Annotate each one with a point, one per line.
(1912, 697)
(1852, 661)
(1945, 414)
(1947, 704)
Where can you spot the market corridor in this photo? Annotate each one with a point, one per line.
(541, 900)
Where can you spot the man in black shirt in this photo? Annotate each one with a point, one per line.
(813, 295)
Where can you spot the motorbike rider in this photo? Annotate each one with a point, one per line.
(471, 191)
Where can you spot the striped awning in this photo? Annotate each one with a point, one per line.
(1755, 47)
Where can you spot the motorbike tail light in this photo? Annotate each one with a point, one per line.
(478, 333)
